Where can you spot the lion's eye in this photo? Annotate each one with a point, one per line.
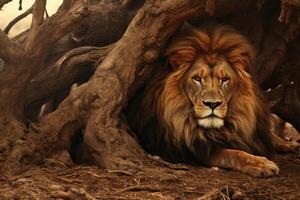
(224, 80)
(197, 80)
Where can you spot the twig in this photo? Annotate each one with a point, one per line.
(17, 19)
(225, 193)
(20, 4)
(210, 195)
(70, 180)
(120, 172)
(58, 25)
(149, 188)
(169, 165)
(73, 193)
(159, 195)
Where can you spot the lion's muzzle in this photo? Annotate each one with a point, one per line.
(211, 114)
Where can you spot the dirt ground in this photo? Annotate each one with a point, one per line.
(55, 181)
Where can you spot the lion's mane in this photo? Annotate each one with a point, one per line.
(164, 122)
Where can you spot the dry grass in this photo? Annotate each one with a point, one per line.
(156, 182)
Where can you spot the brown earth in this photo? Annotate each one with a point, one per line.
(55, 180)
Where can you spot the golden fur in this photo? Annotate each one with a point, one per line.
(165, 122)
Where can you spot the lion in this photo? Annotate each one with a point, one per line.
(204, 108)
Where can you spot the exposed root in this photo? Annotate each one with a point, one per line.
(224, 193)
(73, 194)
(149, 188)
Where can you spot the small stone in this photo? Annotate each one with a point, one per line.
(215, 168)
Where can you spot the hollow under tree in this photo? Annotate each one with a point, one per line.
(41, 65)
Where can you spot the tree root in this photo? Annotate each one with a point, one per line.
(224, 193)
(148, 188)
(73, 194)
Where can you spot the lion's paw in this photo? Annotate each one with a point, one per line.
(290, 133)
(289, 147)
(261, 167)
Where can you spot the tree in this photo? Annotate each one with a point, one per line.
(80, 45)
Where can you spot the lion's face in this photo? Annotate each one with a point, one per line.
(209, 89)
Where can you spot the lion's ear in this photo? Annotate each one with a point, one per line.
(175, 60)
(181, 57)
(181, 51)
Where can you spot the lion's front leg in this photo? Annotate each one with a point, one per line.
(241, 161)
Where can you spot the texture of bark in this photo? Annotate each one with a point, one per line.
(280, 73)
(50, 74)
(24, 61)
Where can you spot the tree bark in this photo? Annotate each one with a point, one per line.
(24, 61)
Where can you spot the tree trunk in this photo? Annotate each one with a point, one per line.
(23, 62)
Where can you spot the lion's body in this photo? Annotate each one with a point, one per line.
(165, 116)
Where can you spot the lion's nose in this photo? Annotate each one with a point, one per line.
(212, 105)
